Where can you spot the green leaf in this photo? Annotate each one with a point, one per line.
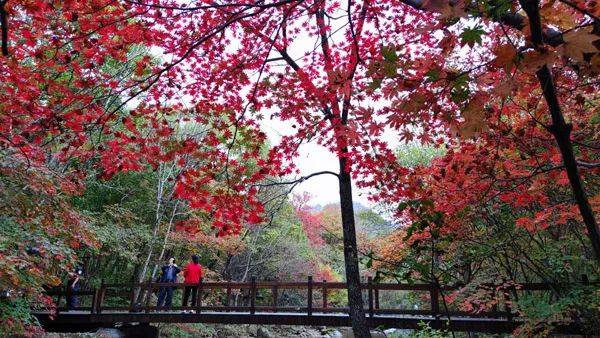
(471, 36)
(432, 75)
(495, 8)
(390, 69)
(402, 206)
(375, 84)
(389, 53)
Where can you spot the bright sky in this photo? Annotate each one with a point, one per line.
(313, 158)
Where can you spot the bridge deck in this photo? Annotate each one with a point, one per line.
(110, 318)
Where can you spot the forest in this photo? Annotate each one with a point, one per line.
(133, 131)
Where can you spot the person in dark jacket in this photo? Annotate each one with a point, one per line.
(168, 275)
(73, 286)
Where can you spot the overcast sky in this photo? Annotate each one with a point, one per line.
(313, 158)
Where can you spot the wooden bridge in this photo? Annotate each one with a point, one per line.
(260, 303)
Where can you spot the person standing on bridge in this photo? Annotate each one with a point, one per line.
(192, 274)
(73, 286)
(169, 275)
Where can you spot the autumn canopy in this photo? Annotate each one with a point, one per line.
(504, 93)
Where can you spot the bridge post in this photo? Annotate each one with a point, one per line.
(228, 294)
(149, 290)
(132, 300)
(324, 291)
(101, 295)
(199, 295)
(58, 299)
(275, 290)
(376, 297)
(310, 295)
(434, 295)
(94, 302)
(370, 293)
(252, 295)
(507, 307)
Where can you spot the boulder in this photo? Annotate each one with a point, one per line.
(263, 333)
(335, 334)
(347, 333)
(110, 333)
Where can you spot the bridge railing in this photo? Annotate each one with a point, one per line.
(138, 297)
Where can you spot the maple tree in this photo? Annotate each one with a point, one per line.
(79, 95)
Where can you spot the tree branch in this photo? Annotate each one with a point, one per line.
(299, 180)
(517, 21)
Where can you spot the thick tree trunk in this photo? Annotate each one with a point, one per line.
(355, 301)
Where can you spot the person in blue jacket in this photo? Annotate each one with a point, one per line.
(168, 275)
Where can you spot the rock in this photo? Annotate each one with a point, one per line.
(378, 334)
(389, 331)
(110, 333)
(263, 333)
(335, 334)
(397, 332)
(347, 333)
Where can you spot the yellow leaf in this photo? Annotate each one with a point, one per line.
(578, 42)
(557, 14)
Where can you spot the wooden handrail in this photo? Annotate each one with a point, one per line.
(329, 285)
(373, 291)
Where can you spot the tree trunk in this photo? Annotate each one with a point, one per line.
(562, 133)
(355, 301)
(560, 129)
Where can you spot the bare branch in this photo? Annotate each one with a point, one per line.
(297, 181)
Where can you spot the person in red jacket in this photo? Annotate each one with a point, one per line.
(192, 274)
